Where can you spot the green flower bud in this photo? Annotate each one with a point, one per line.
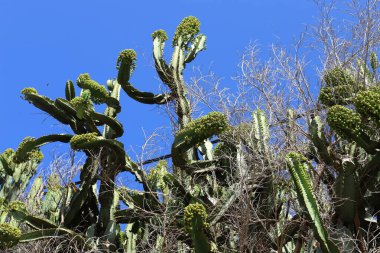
(338, 76)
(35, 154)
(9, 235)
(344, 121)
(156, 176)
(187, 29)
(99, 93)
(160, 34)
(78, 140)
(195, 214)
(127, 56)
(29, 90)
(213, 123)
(17, 205)
(367, 104)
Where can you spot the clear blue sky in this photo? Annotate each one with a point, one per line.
(45, 43)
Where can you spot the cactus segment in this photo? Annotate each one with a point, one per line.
(195, 133)
(198, 45)
(114, 124)
(28, 147)
(69, 90)
(319, 140)
(9, 235)
(48, 106)
(49, 233)
(347, 192)
(297, 165)
(195, 220)
(125, 64)
(99, 93)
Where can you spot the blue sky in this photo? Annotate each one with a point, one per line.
(45, 43)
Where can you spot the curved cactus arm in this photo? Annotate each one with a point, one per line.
(45, 104)
(146, 97)
(162, 68)
(92, 140)
(195, 133)
(33, 221)
(126, 65)
(297, 165)
(69, 90)
(29, 144)
(114, 124)
(198, 45)
(65, 106)
(319, 140)
(49, 233)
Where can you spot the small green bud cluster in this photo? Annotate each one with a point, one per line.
(99, 93)
(156, 175)
(80, 103)
(29, 90)
(160, 34)
(338, 76)
(54, 182)
(212, 124)
(195, 213)
(344, 121)
(341, 95)
(127, 56)
(9, 235)
(8, 154)
(17, 205)
(367, 104)
(78, 140)
(35, 154)
(187, 30)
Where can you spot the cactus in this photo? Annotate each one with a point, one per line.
(9, 235)
(195, 217)
(298, 165)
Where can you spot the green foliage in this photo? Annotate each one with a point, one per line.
(9, 235)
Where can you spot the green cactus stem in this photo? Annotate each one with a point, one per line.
(320, 142)
(46, 105)
(297, 165)
(69, 90)
(126, 64)
(347, 192)
(27, 148)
